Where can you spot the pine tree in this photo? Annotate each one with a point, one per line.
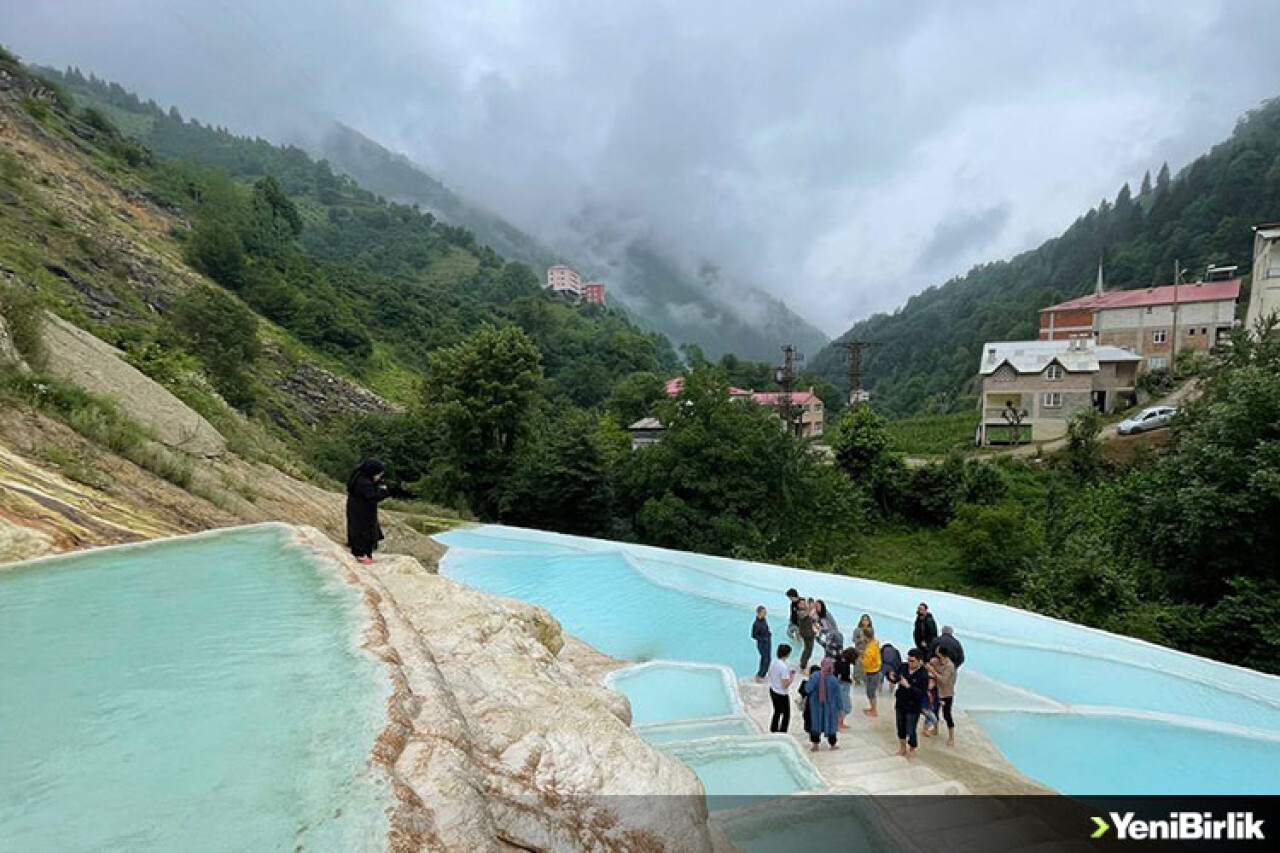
(1145, 189)
(1163, 180)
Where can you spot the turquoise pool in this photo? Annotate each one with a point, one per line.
(1044, 689)
(200, 693)
(667, 691)
(740, 771)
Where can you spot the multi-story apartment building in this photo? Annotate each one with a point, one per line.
(1149, 322)
(593, 292)
(563, 279)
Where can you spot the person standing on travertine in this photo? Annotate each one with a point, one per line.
(807, 629)
(365, 489)
(926, 630)
(780, 676)
(764, 641)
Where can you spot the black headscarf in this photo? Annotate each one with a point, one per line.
(368, 468)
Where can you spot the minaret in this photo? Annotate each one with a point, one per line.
(1099, 288)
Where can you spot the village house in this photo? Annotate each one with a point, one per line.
(645, 432)
(1264, 299)
(1049, 382)
(808, 413)
(1147, 321)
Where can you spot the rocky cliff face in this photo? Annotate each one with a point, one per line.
(496, 742)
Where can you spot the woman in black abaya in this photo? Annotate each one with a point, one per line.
(364, 490)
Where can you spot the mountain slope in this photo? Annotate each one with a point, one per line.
(929, 347)
(697, 307)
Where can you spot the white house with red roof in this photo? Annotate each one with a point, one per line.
(807, 409)
(1149, 321)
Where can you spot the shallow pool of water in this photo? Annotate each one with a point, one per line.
(747, 767)
(666, 691)
(646, 603)
(202, 693)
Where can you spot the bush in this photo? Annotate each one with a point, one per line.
(223, 333)
(995, 544)
(215, 250)
(23, 314)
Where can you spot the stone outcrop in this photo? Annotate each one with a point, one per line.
(497, 743)
(317, 395)
(78, 357)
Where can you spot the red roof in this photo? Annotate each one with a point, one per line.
(764, 398)
(1204, 291)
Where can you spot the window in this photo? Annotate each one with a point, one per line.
(1053, 373)
(1156, 362)
(1051, 400)
(1191, 333)
(1159, 336)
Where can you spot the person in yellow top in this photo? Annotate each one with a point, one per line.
(871, 667)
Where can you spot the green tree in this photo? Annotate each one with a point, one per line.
(215, 249)
(860, 442)
(995, 544)
(633, 397)
(1084, 456)
(223, 334)
(483, 391)
(727, 479)
(561, 481)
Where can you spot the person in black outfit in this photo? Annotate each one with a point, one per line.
(365, 490)
(912, 680)
(764, 641)
(947, 640)
(926, 630)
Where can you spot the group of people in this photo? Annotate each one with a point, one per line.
(924, 684)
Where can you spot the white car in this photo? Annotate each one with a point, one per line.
(1153, 417)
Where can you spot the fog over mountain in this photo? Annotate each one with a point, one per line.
(840, 156)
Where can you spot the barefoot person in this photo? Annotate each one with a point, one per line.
(863, 630)
(945, 675)
(871, 664)
(780, 676)
(912, 682)
(824, 705)
(764, 641)
(365, 489)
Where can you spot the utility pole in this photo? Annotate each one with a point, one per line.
(856, 350)
(1173, 345)
(786, 376)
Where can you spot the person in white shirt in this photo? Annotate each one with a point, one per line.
(780, 676)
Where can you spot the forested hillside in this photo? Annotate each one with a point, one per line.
(374, 284)
(929, 348)
(689, 308)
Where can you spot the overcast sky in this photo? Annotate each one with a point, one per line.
(842, 155)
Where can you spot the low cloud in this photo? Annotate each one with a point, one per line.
(840, 155)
